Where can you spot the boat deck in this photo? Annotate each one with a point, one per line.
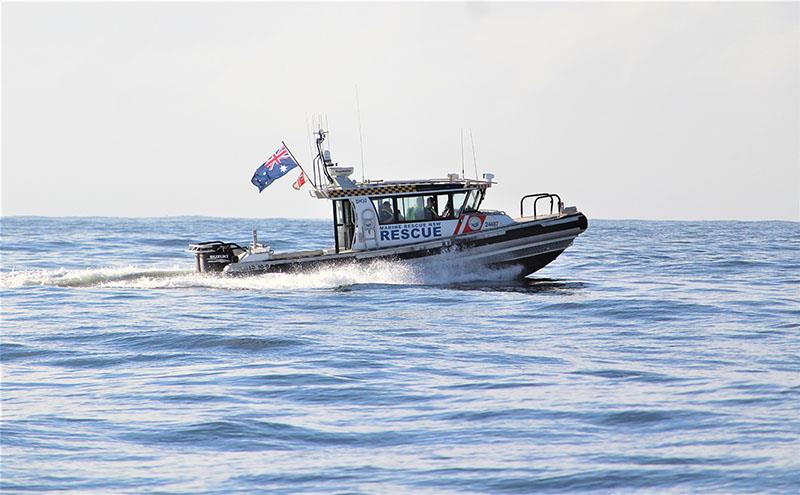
(532, 218)
(298, 254)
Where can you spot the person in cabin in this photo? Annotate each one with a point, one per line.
(448, 209)
(386, 213)
(430, 209)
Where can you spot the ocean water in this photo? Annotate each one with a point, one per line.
(651, 357)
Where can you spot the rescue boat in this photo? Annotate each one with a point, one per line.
(404, 220)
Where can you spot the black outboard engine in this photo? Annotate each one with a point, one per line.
(213, 256)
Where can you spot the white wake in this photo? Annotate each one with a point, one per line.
(424, 272)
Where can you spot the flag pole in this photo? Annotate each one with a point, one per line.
(296, 161)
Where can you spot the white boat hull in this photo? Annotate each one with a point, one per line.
(528, 243)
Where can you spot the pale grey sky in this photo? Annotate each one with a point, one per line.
(653, 110)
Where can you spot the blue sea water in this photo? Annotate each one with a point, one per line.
(651, 357)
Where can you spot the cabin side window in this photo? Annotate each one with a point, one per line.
(385, 209)
(421, 208)
(430, 210)
(411, 209)
(444, 204)
(426, 208)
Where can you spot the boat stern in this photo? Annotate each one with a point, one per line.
(214, 256)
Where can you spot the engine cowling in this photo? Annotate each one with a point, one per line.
(213, 256)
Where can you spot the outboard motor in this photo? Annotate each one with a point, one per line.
(213, 256)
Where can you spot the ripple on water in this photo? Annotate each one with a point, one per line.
(650, 357)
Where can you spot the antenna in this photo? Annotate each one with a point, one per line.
(462, 152)
(328, 130)
(311, 151)
(474, 160)
(360, 136)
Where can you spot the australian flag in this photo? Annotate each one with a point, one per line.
(274, 168)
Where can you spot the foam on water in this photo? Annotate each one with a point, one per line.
(88, 277)
(442, 272)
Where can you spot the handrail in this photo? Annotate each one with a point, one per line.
(551, 203)
(534, 195)
(539, 196)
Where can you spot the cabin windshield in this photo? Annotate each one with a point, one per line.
(458, 203)
(473, 201)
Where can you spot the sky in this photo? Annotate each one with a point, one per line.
(683, 111)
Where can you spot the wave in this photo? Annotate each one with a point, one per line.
(374, 273)
(91, 277)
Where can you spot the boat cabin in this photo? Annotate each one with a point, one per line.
(384, 214)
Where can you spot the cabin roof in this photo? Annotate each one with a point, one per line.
(390, 188)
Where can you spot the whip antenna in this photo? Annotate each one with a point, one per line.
(462, 152)
(328, 130)
(474, 161)
(360, 136)
(311, 151)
